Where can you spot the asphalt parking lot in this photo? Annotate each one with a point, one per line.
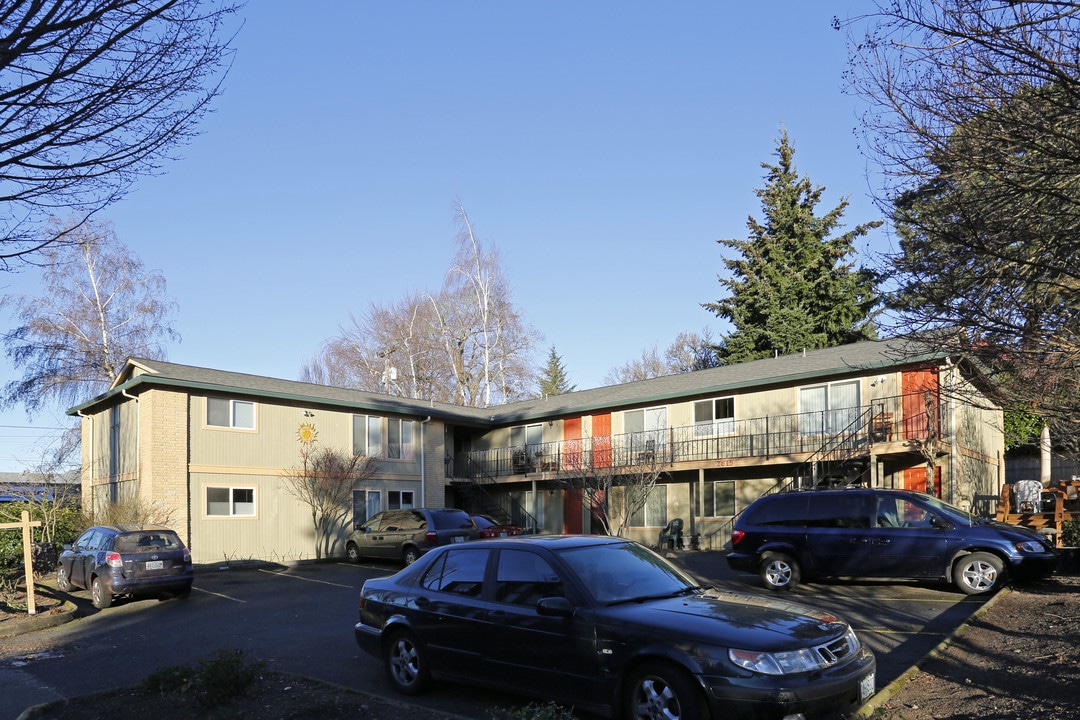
(299, 619)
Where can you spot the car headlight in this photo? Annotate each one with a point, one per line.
(1031, 546)
(796, 661)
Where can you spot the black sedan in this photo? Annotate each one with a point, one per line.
(610, 627)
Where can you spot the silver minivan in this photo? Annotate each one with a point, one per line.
(407, 534)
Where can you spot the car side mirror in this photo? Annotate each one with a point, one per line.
(554, 607)
(940, 523)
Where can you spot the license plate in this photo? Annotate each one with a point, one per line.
(866, 687)
(155, 564)
(459, 538)
(502, 534)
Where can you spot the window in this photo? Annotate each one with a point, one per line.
(459, 571)
(398, 499)
(532, 435)
(830, 408)
(644, 432)
(367, 435)
(230, 501)
(719, 498)
(365, 503)
(221, 412)
(714, 417)
(399, 439)
(654, 514)
(523, 578)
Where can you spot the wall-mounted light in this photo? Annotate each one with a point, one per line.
(308, 413)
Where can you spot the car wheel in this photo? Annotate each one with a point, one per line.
(410, 555)
(352, 553)
(406, 664)
(659, 691)
(99, 594)
(779, 571)
(978, 573)
(183, 592)
(63, 582)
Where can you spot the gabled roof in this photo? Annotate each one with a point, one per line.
(784, 370)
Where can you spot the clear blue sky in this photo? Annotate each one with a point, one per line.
(603, 147)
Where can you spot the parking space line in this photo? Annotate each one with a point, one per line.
(886, 631)
(298, 577)
(226, 597)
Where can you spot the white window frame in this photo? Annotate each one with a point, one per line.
(372, 426)
(713, 425)
(406, 432)
(655, 511)
(234, 406)
(233, 504)
(838, 411)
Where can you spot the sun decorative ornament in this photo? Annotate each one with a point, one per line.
(307, 434)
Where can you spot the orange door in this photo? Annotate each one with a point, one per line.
(601, 425)
(915, 479)
(572, 443)
(920, 400)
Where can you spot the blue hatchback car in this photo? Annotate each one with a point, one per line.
(882, 533)
(112, 560)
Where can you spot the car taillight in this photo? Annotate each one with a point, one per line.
(736, 536)
(187, 556)
(113, 559)
(431, 536)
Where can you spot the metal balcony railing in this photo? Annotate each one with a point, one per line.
(827, 434)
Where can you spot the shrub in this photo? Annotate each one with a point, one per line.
(1070, 534)
(215, 681)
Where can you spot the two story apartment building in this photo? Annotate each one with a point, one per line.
(213, 448)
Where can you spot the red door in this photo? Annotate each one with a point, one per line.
(572, 443)
(920, 401)
(601, 425)
(915, 479)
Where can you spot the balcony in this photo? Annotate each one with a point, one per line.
(794, 438)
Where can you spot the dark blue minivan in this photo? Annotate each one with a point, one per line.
(882, 533)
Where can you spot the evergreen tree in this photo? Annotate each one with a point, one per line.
(793, 289)
(553, 377)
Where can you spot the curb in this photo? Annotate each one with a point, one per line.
(885, 694)
(66, 614)
(41, 710)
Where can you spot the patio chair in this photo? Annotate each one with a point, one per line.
(671, 536)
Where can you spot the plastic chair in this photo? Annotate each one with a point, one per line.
(1028, 496)
(671, 536)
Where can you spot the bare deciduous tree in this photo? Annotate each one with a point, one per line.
(466, 345)
(614, 483)
(974, 115)
(325, 481)
(687, 353)
(93, 94)
(98, 307)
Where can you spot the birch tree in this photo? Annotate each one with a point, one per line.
(467, 344)
(98, 307)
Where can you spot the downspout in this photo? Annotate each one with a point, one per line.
(423, 473)
(90, 454)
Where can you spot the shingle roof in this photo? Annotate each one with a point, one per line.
(759, 374)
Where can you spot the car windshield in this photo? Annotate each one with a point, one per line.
(950, 511)
(625, 572)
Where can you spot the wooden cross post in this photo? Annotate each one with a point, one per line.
(28, 555)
